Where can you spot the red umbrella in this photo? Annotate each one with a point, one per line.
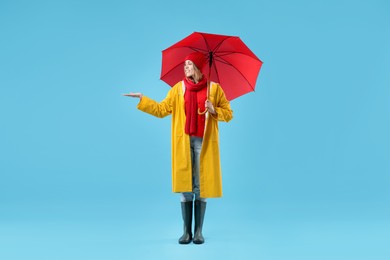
(231, 63)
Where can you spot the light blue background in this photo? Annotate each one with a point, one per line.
(85, 175)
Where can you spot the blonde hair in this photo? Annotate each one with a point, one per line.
(198, 75)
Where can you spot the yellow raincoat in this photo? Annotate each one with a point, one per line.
(210, 178)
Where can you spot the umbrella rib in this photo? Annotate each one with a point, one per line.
(219, 44)
(192, 48)
(222, 60)
(174, 67)
(229, 64)
(219, 54)
(207, 44)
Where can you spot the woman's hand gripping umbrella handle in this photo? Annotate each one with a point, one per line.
(209, 107)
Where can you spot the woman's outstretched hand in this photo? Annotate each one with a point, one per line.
(135, 95)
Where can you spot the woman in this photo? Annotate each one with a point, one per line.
(196, 106)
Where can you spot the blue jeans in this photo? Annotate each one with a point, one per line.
(196, 147)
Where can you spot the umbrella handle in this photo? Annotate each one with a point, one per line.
(202, 113)
(207, 95)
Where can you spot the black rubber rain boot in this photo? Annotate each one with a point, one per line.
(186, 211)
(200, 209)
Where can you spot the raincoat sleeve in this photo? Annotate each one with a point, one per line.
(222, 106)
(162, 109)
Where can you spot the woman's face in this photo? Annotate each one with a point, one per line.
(189, 70)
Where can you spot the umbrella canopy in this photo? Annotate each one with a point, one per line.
(230, 62)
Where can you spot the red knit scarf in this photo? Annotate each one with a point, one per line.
(192, 106)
